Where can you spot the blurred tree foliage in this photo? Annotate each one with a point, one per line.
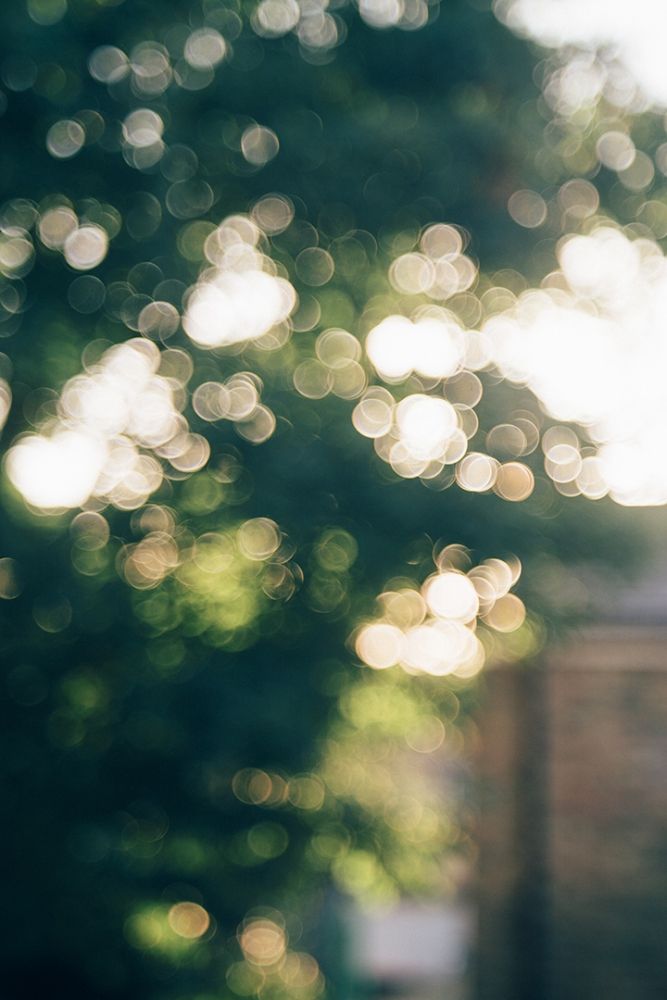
(191, 752)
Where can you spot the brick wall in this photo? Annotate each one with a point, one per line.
(573, 823)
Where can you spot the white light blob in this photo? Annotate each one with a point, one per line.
(274, 18)
(109, 421)
(435, 633)
(380, 646)
(425, 425)
(452, 595)
(430, 346)
(633, 32)
(389, 348)
(86, 247)
(205, 48)
(56, 472)
(381, 13)
(239, 299)
(595, 354)
(234, 307)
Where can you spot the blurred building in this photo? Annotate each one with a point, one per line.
(573, 815)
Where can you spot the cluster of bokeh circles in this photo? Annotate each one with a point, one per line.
(608, 48)
(241, 297)
(319, 27)
(590, 345)
(265, 962)
(432, 629)
(116, 428)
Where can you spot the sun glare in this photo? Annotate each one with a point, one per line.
(592, 348)
(632, 33)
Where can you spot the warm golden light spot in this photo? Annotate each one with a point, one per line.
(506, 441)
(485, 586)
(273, 213)
(507, 614)
(242, 396)
(579, 198)
(158, 320)
(259, 426)
(337, 348)
(146, 564)
(374, 415)
(452, 557)
(252, 786)
(441, 241)
(615, 150)
(263, 942)
(440, 270)
(412, 273)
(477, 472)
(562, 463)
(55, 225)
(299, 971)
(499, 573)
(379, 646)
(349, 380)
(515, 482)
(210, 401)
(188, 920)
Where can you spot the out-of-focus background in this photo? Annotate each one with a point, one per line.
(332, 573)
